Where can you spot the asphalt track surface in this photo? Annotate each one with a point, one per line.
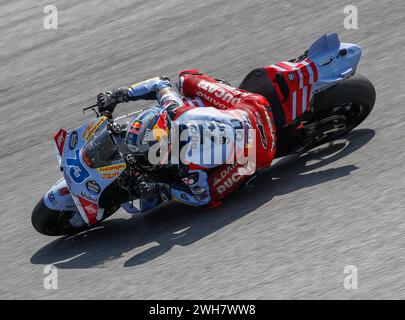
(289, 236)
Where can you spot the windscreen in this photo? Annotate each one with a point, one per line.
(100, 151)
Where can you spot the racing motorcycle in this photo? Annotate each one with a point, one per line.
(325, 96)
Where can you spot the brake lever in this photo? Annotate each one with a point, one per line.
(92, 108)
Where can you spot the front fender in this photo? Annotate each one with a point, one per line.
(59, 198)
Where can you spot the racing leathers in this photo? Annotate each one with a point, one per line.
(224, 134)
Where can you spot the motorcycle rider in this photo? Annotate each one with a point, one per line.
(242, 120)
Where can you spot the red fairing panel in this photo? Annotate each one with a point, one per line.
(60, 138)
(299, 78)
(90, 209)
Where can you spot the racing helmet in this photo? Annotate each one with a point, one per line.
(147, 129)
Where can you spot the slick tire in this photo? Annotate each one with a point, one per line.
(51, 222)
(354, 98)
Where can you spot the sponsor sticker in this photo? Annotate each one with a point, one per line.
(73, 139)
(135, 127)
(90, 209)
(160, 129)
(92, 128)
(60, 138)
(113, 167)
(51, 198)
(93, 187)
(63, 191)
(108, 176)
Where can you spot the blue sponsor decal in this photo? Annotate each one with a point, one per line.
(51, 198)
(73, 139)
(77, 171)
(93, 187)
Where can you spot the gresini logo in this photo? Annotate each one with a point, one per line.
(73, 140)
(90, 209)
(93, 187)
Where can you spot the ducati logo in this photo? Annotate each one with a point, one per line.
(229, 181)
(225, 93)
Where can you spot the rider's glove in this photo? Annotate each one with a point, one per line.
(107, 101)
(146, 190)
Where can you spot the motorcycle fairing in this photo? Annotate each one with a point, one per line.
(327, 63)
(294, 85)
(335, 61)
(59, 139)
(84, 183)
(59, 198)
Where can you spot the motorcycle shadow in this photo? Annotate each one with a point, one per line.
(146, 237)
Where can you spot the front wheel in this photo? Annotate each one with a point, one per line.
(56, 223)
(52, 222)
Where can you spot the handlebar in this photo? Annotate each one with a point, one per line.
(92, 108)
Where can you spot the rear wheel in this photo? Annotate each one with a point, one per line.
(353, 98)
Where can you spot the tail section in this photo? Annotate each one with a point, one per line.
(293, 84)
(335, 61)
